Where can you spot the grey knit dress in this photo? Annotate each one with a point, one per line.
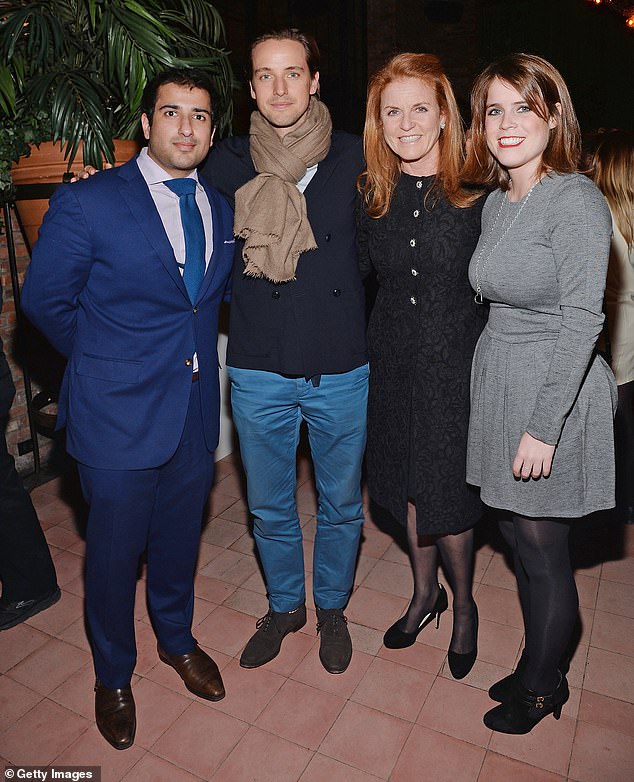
(534, 368)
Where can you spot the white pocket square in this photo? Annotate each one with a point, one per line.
(230, 241)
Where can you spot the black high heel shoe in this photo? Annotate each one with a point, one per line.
(501, 691)
(461, 663)
(526, 708)
(395, 638)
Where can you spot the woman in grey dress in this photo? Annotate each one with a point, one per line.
(542, 400)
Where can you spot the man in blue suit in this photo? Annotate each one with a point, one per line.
(126, 281)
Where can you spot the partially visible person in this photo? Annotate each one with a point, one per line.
(418, 229)
(27, 573)
(297, 349)
(132, 301)
(542, 400)
(613, 172)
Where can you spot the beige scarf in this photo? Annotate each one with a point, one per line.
(270, 210)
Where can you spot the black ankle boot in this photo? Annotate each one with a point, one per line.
(501, 691)
(526, 708)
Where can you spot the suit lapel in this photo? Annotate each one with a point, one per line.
(136, 194)
(325, 170)
(218, 232)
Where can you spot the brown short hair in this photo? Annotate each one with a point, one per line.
(288, 34)
(542, 87)
(378, 181)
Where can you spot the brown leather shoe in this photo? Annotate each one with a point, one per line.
(115, 715)
(199, 672)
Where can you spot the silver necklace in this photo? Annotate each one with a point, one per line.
(480, 267)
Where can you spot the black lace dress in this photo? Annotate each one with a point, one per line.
(422, 333)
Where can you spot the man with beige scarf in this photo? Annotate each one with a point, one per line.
(297, 346)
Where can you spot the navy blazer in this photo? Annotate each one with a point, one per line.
(104, 287)
(314, 324)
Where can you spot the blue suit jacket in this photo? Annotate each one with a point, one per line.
(104, 287)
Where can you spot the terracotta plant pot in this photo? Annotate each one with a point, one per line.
(46, 165)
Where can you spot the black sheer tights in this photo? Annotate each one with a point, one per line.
(548, 594)
(456, 553)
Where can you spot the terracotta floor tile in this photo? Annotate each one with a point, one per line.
(245, 544)
(613, 632)
(390, 577)
(15, 701)
(248, 691)
(420, 656)
(601, 754)
(75, 587)
(621, 570)
(233, 485)
(588, 588)
(481, 564)
(202, 609)
(240, 571)
(323, 768)
(91, 749)
(394, 553)
(610, 674)
(67, 566)
(393, 689)
(219, 503)
(499, 574)
(61, 537)
(226, 630)
(498, 768)
(482, 675)
(146, 647)
(248, 602)
(153, 769)
(374, 543)
(577, 671)
(255, 583)
(499, 643)
(265, 758)
(206, 553)
(212, 589)
(615, 598)
(157, 708)
(238, 512)
(354, 739)
(437, 757)
(55, 727)
(50, 665)
(547, 746)
(365, 639)
(59, 616)
(222, 532)
(456, 709)
(17, 643)
(301, 714)
(364, 567)
(608, 712)
(77, 693)
(499, 605)
(375, 609)
(311, 671)
(220, 564)
(52, 513)
(200, 740)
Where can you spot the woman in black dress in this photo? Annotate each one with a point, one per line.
(418, 228)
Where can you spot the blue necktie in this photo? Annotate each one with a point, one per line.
(194, 231)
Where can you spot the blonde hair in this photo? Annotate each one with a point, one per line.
(542, 87)
(383, 166)
(613, 172)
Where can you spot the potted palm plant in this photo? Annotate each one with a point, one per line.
(72, 75)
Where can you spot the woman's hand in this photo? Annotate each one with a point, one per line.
(533, 459)
(88, 171)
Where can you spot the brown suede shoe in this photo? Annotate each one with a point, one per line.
(199, 672)
(115, 715)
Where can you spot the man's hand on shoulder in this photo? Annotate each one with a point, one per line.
(88, 171)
